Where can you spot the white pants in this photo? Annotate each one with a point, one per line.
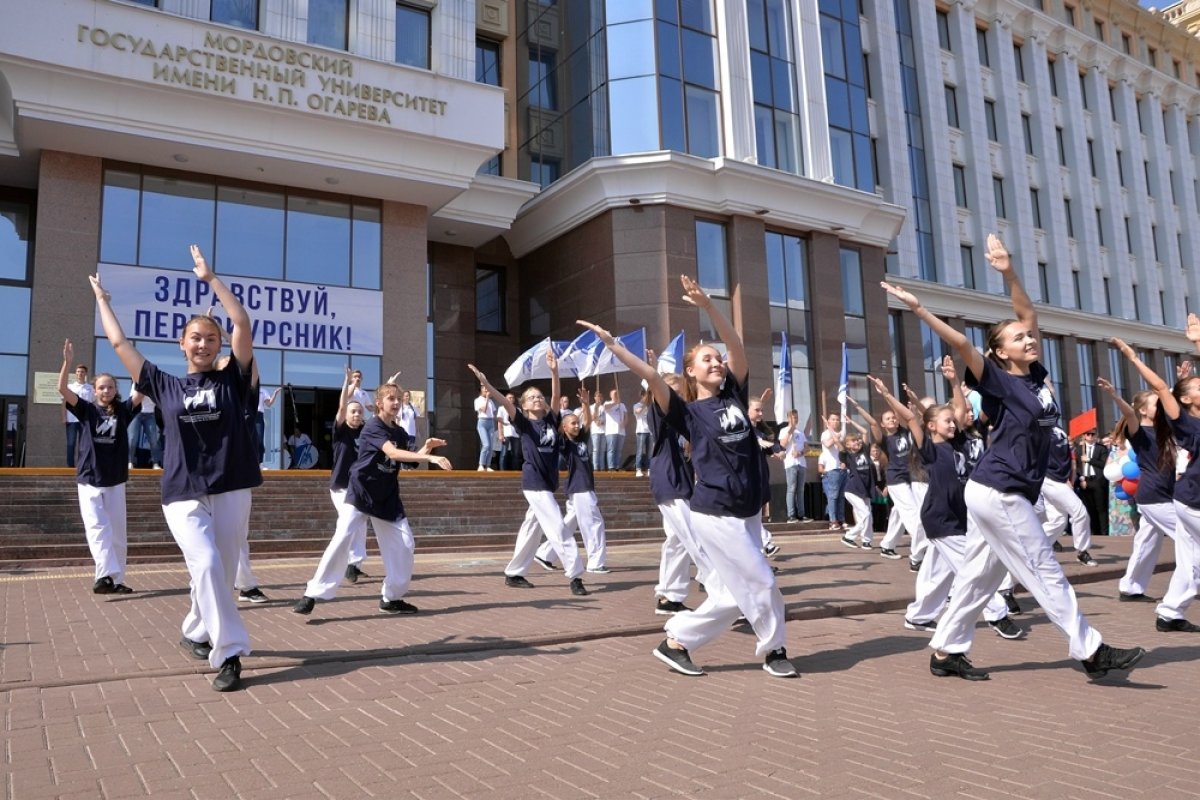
(103, 512)
(862, 519)
(741, 583)
(584, 513)
(1184, 580)
(351, 524)
(543, 515)
(244, 578)
(937, 578)
(358, 541)
(1003, 531)
(1062, 504)
(395, 539)
(209, 532)
(1158, 519)
(906, 515)
(678, 549)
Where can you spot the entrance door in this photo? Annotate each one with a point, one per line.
(12, 451)
(308, 414)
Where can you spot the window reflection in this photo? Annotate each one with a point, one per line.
(318, 240)
(412, 36)
(704, 138)
(367, 245)
(249, 232)
(632, 102)
(489, 300)
(14, 241)
(14, 311)
(314, 369)
(119, 219)
(242, 13)
(328, 22)
(12, 374)
(711, 270)
(175, 213)
(630, 50)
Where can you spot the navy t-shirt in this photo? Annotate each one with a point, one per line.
(208, 446)
(898, 447)
(974, 443)
(1058, 463)
(858, 473)
(577, 453)
(540, 448)
(103, 458)
(1153, 486)
(373, 489)
(345, 453)
(725, 454)
(1022, 411)
(944, 511)
(671, 474)
(1187, 434)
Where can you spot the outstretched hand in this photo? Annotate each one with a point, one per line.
(601, 333)
(585, 397)
(1106, 386)
(1184, 370)
(903, 295)
(1193, 328)
(948, 370)
(431, 444)
(997, 254)
(100, 292)
(200, 266)
(478, 375)
(693, 294)
(68, 352)
(879, 385)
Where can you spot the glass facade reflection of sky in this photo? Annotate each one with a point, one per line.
(14, 241)
(846, 94)
(772, 77)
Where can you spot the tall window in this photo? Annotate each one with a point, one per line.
(1116, 371)
(776, 118)
(490, 300)
(952, 106)
(943, 29)
(1062, 147)
(989, 117)
(1052, 71)
(1019, 60)
(712, 272)
(329, 23)
(1070, 217)
(543, 90)
(1027, 133)
(1052, 360)
(689, 103)
(922, 215)
(998, 197)
(487, 70)
(960, 185)
(966, 255)
(1087, 374)
(242, 13)
(1036, 206)
(412, 36)
(788, 292)
(856, 323)
(16, 230)
(846, 96)
(981, 42)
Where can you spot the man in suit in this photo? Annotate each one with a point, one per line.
(1090, 483)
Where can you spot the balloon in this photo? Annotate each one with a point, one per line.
(1129, 486)
(1131, 470)
(1121, 493)
(1112, 471)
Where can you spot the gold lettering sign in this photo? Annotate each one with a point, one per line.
(278, 74)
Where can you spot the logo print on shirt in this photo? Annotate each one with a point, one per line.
(960, 465)
(106, 428)
(732, 420)
(901, 444)
(547, 436)
(203, 400)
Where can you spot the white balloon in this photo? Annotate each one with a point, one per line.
(1112, 471)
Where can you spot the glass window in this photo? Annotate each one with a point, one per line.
(1062, 148)
(242, 13)
(1087, 374)
(632, 103)
(412, 36)
(1053, 73)
(1036, 204)
(487, 62)
(366, 255)
(960, 185)
(314, 369)
(631, 50)
(249, 233)
(699, 58)
(703, 137)
(318, 241)
(966, 255)
(674, 137)
(712, 272)
(1019, 61)
(989, 116)
(998, 196)
(1043, 272)
(175, 213)
(943, 29)
(12, 374)
(14, 241)
(617, 11)
(14, 310)
(119, 220)
(544, 172)
(542, 79)
(489, 300)
(328, 22)
(1070, 217)
(697, 14)
(951, 106)
(787, 272)
(1027, 133)
(852, 288)
(985, 59)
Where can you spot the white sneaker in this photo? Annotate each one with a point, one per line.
(480, 469)
(638, 474)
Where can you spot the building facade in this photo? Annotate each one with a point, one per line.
(414, 185)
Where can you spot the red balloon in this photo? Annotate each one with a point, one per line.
(1129, 486)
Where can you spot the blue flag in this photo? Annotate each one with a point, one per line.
(671, 358)
(532, 363)
(783, 381)
(580, 353)
(601, 361)
(844, 383)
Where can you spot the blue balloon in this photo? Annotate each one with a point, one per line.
(1121, 493)
(1132, 455)
(1131, 470)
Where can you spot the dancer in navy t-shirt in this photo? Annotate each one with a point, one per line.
(1004, 530)
(210, 464)
(102, 468)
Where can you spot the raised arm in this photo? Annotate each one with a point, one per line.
(343, 398)
(659, 389)
(1166, 398)
(956, 339)
(585, 403)
(241, 340)
(68, 356)
(997, 255)
(1132, 423)
(500, 399)
(130, 357)
(958, 400)
(735, 351)
(876, 429)
(555, 383)
(902, 411)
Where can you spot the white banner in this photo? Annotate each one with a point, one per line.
(155, 304)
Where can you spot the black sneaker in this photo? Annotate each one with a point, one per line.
(1136, 597)
(1005, 628)
(121, 588)
(229, 679)
(103, 586)
(805, 519)
(544, 564)
(920, 626)
(397, 607)
(577, 587)
(254, 595)
(866, 545)
(305, 605)
(1086, 559)
(517, 582)
(914, 566)
(667, 607)
(793, 519)
(198, 650)
(1010, 600)
(353, 573)
(771, 550)
(776, 663)
(1057, 546)
(955, 664)
(850, 541)
(1181, 625)
(678, 660)
(599, 570)
(888, 552)
(1106, 658)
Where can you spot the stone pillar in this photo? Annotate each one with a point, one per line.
(285, 19)
(737, 102)
(373, 30)
(453, 38)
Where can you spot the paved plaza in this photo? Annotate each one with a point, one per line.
(492, 692)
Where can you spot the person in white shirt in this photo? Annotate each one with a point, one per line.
(143, 423)
(265, 400)
(511, 444)
(641, 431)
(793, 441)
(83, 389)
(358, 395)
(614, 428)
(485, 426)
(596, 430)
(833, 472)
(408, 421)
